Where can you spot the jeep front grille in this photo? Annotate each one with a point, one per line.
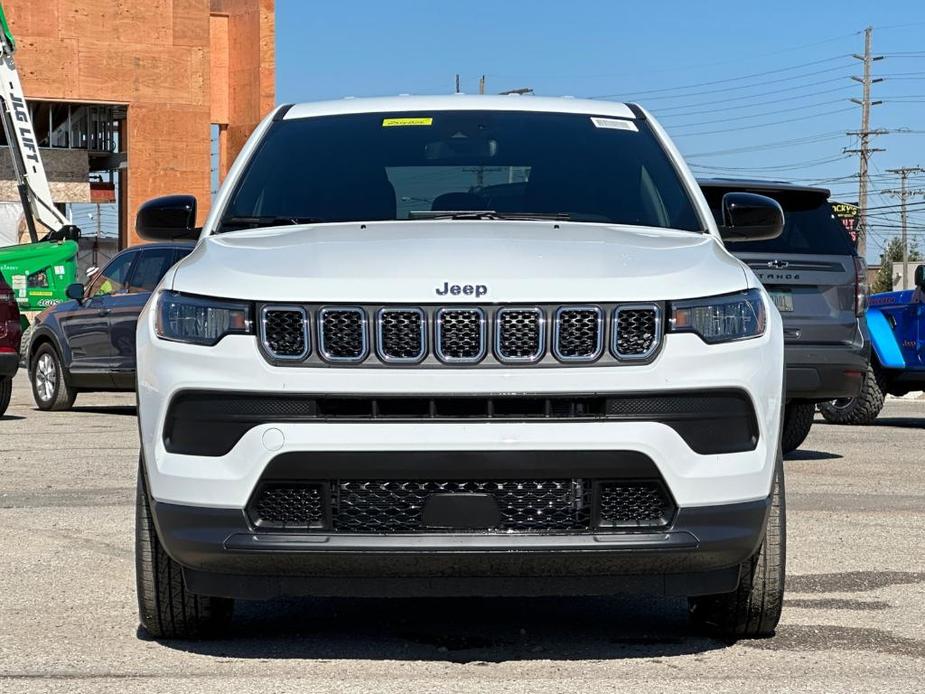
(520, 334)
(636, 331)
(285, 331)
(342, 334)
(429, 336)
(578, 333)
(402, 334)
(395, 506)
(460, 334)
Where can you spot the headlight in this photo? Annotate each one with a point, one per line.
(725, 318)
(200, 320)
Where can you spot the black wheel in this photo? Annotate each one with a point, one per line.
(753, 609)
(862, 409)
(6, 392)
(165, 608)
(49, 387)
(798, 419)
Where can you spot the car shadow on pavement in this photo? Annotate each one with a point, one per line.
(10, 417)
(463, 630)
(901, 422)
(124, 410)
(802, 454)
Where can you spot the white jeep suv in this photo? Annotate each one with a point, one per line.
(453, 346)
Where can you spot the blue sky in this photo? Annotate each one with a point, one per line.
(750, 77)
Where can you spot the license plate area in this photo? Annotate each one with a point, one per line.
(783, 299)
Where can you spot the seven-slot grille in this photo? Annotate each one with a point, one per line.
(579, 333)
(636, 331)
(376, 506)
(342, 334)
(519, 334)
(460, 334)
(402, 334)
(285, 331)
(464, 335)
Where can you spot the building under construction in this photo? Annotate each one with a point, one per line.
(132, 99)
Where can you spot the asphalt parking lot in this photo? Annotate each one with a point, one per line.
(853, 619)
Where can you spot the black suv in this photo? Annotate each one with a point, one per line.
(819, 283)
(88, 343)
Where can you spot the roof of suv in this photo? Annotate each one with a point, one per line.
(756, 184)
(459, 102)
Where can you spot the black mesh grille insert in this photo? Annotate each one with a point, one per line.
(289, 505)
(396, 506)
(460, 334)
(524, 505)
(636, 332)
(520, 334)
(284, 332)
(578, 333)
(633, 505)
(401, 334)
(343, 334)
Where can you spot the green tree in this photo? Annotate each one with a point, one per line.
(892, 253)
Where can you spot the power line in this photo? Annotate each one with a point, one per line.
(761, 125)
(779, 144)
(727, 107)
(802, 107)
(674, 90)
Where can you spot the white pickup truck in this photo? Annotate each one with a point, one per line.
(460, 345)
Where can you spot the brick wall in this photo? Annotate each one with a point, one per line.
(155, 56)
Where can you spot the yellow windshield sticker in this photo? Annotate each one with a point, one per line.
(393, 122)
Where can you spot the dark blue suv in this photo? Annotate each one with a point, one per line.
(88, 342)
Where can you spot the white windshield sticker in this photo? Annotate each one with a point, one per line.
(615, 124)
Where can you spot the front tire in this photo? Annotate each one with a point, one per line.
(753, 609)
(165, 609)
(861, 409)
(49, 387)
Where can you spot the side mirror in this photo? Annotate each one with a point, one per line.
(167, 218)
(751, 217)
(920, 277)
(75, 291)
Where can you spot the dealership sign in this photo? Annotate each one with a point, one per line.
(849, 214)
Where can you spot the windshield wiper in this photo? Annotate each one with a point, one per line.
(486, 214)
(268, 221)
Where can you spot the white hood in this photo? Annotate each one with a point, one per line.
(393, 262)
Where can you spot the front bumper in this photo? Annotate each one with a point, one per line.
(221, 555)
(825, 372)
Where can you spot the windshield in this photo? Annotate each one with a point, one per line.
(375, 166)
(810, 225)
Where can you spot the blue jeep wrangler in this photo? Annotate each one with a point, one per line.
(896, 321)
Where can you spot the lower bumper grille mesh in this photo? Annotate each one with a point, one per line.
(524, 506)
(282, 505)
(637, 504)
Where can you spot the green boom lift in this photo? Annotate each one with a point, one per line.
(39, 272)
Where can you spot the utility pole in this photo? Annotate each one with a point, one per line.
(904, 194)
(482, 85)
(457, 83)
(865, 150)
